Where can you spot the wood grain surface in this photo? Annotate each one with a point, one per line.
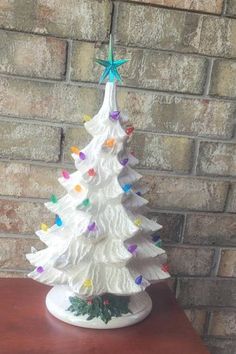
(26, 327)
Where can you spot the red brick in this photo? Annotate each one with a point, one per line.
(25, 180)
(210, 229)
(30, 141)
(31, 55)
(47, 101)
(80, 19)
(23, 217)
(213, 6)
(185, 193)
(13, 251)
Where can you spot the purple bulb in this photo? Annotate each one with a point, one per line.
(138, 280)
(40, 269)
(82, 155)
(138, 193)
(124, 162)
(92, 227)
(132, 248)
(115, 115)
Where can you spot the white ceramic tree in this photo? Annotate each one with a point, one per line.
(101, 245)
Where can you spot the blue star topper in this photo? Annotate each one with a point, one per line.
(111, 65)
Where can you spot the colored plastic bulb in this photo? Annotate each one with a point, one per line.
(88, 283)
(138, 222)
(109, 143)
(132, 248)
(44, 227)
(158, 243)
(86, 118)
(65, 174)
(124, 162)
(78, 188)
(82, 155)
(53, 198)
(58, 221)
(165, 268)
(74, 150)
(138, 193)
(156, 237)
(114, 116)
(127, 187)
(129, 130)
(138, 280)
(86, 202)
(92, 226)
(40, 269)
(91, 172)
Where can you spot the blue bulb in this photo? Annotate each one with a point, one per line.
(127, 187)
(58, 221)
(138, 280)
(156, 237)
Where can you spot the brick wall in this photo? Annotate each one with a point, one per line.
(179, 91)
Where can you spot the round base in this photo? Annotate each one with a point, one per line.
(57, 302)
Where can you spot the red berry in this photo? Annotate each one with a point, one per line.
(89, 302)
(106, 302)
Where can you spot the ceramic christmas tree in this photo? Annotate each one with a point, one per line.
(101, 252)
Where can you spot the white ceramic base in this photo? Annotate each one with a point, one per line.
(57, 302)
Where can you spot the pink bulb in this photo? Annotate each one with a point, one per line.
(65, 174)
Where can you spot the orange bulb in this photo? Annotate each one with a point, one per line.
(74, 150)
(78, 188)
(110, 143)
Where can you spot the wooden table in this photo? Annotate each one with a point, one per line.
(27, 328)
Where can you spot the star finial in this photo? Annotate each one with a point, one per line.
(111, 65)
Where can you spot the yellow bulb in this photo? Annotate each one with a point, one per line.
(110, 143)
(138, 222)
(86, 118)
(88, 283)
(74, 150)
(44, 227)
(78, 188)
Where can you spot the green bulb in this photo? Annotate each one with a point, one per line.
(53, 198)
(86, 202)
(158, 243)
